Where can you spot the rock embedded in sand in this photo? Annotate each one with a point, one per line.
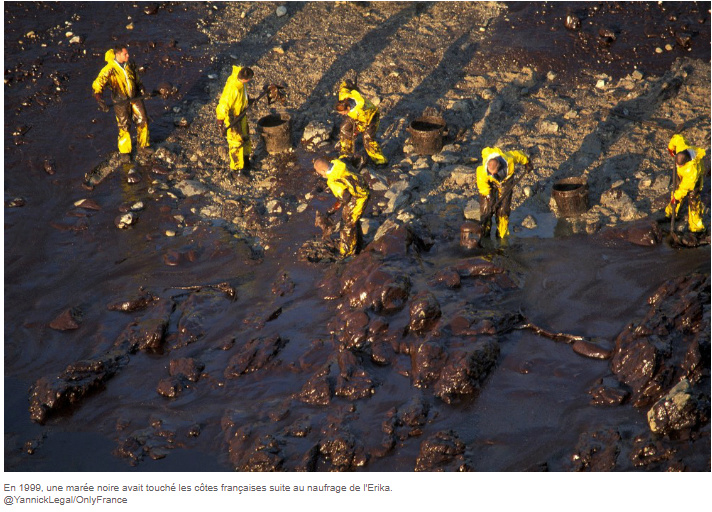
(135, 303)
(186, 367)
(684, 39)
(68, 320)
(170, 387)
(549, 127)
(572, 22)
(474, 267)
(606, 395)
(608, 35)
(621, 204)
(442, 451)
(254, 355)
(52, 394)
(353, 381)
(597, 451)
(316, 133)
(126, 220)
(465, 368)
(669, 342)
(15, 203)
(449, 277)
(529, 222)
(645, 232)
(679, 409)
(148, 333)
(87, 204)
(49, 166)
(424, 312)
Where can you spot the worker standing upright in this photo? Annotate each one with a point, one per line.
(360, 116)
(351, 192)
(121, 76)
(233, 102)
(495, 184)
(690, 173)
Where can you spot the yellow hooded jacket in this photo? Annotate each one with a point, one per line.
(124, 82)
(690, 174)
(233, 99)
(363, 110)
(340, 179)
(485, 180)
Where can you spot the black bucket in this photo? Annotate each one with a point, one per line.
(470, 235)
(276, 132)
(426, 134)
(571, 196)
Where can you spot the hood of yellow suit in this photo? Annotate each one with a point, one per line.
(109, 56)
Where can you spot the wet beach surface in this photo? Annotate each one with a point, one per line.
(237, 354)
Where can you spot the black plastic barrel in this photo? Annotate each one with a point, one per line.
(571, 196)
(276, 131)
(426, 134)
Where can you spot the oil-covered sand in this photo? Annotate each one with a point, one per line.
(218, 333)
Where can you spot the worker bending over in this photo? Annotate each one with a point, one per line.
(688, 161)
(360, 116)
(495, 184)
(351, 192)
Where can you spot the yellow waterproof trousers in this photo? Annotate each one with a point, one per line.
(127, 113)
(239, 144)
(351, 229)
(502, 211)
(695, 211)
(351, 127)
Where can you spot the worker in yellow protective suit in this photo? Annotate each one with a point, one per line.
(122, 78)
(495, 184)
(360, 116)
(690, 173)
(351, 192)
(233, 102)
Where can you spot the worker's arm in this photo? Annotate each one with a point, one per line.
(345, 89)
(98, 88)
(518, 157)
(699, 154)
(483, 184)
(359, 101)
(340, 192)
(227, 99)
(101, 80)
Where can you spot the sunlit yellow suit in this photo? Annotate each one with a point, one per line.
(124, 83)
(690, 181)
(341, 180)
(488, 184)
(233, 101)
(364, 117)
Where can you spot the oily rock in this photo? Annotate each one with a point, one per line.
(442, 451)
(670, 343)
(424, 312)
(679, 409)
